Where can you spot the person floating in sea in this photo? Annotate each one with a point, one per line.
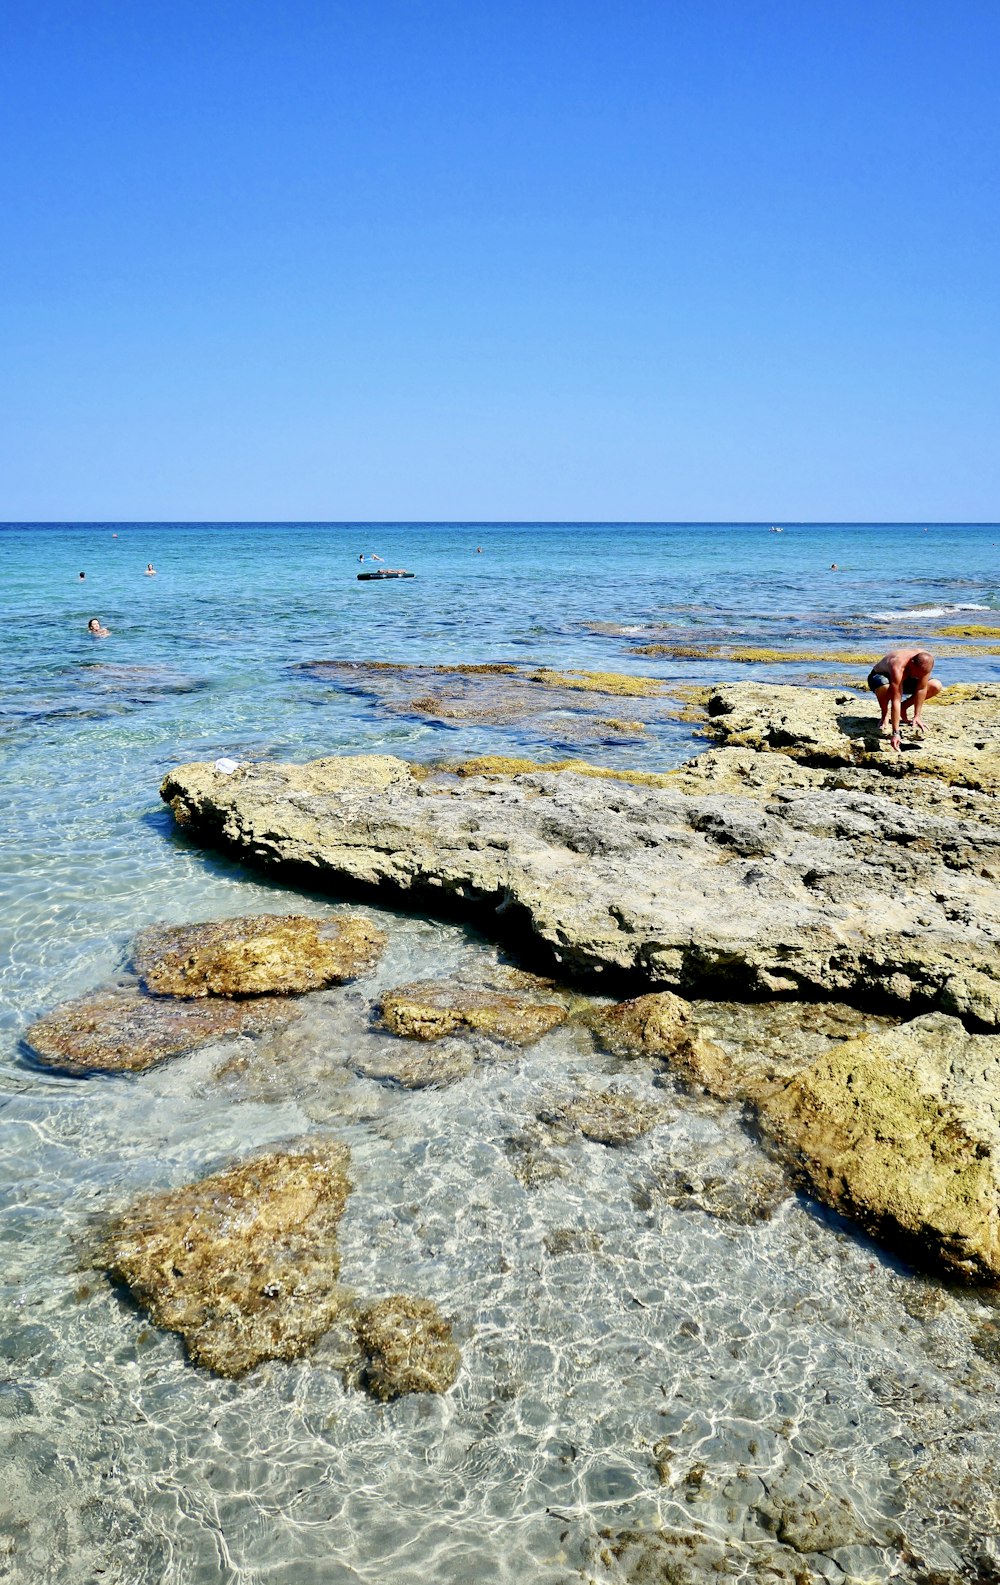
(373, 557)
(83, 575)
(150, 570)
(361, 558)
(94, 627)
(901, 682)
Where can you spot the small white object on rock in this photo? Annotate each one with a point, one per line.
(227, 766)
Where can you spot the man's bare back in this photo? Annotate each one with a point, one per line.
(902, 681)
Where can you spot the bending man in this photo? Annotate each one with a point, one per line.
(901, 681)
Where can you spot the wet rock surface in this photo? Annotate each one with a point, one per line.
(408, 1347)
(118, 1029)
(444, 1063)
(242, 1264)
(255, 955)
(432, 1009)
(808, 892)
(901, 1130)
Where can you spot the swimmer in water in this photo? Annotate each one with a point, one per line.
(373, 557)
(150, 570)
(94, 627)
(361, 558)
(83, 575)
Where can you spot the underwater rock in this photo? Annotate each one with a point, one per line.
(255, 954)
(901, 1131)
(661, 1025)
(692, 1557)
(119, 1030)
(430, 1009)
(736, 1184)
(531, 1161)
(408, 1347)
(416, 1070)
(607, 1117)
(244, 1263)
(830, 893)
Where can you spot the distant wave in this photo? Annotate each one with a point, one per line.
(921, 612)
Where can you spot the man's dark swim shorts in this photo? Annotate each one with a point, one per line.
(878, 679)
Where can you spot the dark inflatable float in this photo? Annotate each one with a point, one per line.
(389, 572)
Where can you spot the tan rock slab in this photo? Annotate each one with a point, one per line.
(429, 1009)
(255, 955)
(119, 1030)
(242, 1264)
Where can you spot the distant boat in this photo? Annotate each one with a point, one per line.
(387, 572)
(776, 530)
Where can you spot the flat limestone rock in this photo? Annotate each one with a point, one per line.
(840, 726)
(830, 893)
(662, 1025)
(243, 1264)
(119, 1030)
(255, 955)
(430, 1009)
(901, 1130)
(408, 1346)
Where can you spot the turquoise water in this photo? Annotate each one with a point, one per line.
(126, 1464)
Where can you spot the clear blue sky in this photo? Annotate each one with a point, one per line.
(656, 259)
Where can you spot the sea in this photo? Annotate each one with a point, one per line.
(629, 1364)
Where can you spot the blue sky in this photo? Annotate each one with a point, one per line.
(693, 259)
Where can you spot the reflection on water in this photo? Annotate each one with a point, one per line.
(630, 1358)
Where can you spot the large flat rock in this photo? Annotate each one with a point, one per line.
(802, 891)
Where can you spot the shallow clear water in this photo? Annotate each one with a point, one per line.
(656, 1326)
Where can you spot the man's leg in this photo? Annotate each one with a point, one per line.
(883, 696)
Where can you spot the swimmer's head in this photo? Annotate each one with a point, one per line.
(94, 625)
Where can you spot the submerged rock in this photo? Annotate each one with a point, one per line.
(119, 1030)
(819, 892)
(662, 1025)
(432, 1008)
(692, 1557)
(243, 1264)
(416, 1070)
(608, 1117)
(901, 1130)
(735, 1183)
(408, 1347)
(255, 954)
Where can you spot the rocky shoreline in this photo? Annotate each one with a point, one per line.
(799, 859)
(839, 902)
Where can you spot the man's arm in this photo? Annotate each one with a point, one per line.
(918, 700)
(895, 698)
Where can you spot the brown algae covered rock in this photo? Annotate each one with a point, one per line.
(408, 1346)
(255, 955)
(244, 1263)
(119, 1030)
(901, 1130)
(662, 1025)
(430, 1009)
